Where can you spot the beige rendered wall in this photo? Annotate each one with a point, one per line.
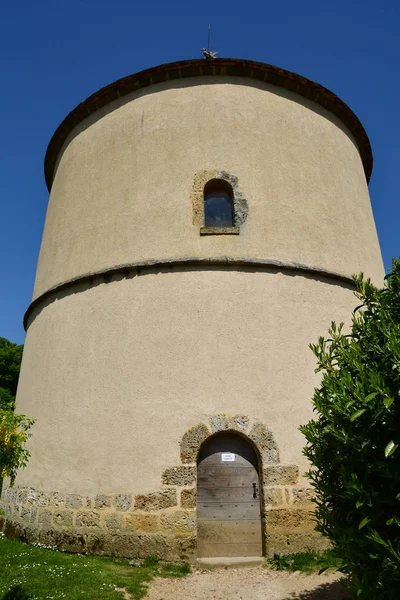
(115, 375)
(122, 190)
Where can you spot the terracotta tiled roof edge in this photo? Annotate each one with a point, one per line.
(218, 67)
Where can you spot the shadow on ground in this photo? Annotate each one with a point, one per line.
(326, 591)
(16, 593)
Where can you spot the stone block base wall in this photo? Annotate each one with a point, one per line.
(163, 522)
(289, 518)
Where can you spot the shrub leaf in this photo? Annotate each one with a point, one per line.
(364, 522)
(357, 414)
(390, 448)
(388, 402)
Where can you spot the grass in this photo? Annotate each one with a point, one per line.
(36, 573)
(305, 562)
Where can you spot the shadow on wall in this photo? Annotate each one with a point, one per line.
(327, 591)
(16, 593)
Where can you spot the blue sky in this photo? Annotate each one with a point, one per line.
(55, 54)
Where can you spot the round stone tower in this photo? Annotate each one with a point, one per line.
(204, 222)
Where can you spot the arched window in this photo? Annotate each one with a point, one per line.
(218, 204)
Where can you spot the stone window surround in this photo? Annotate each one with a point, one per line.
(240, 207)
(219, 230)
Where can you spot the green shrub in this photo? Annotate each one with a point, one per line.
(353, 443)
(306, 562)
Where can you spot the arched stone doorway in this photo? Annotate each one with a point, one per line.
(228, 498)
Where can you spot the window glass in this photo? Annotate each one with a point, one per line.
(218, 206)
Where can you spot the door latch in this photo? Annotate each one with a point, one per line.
(255, 490)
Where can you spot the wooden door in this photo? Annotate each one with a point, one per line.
(228, 498)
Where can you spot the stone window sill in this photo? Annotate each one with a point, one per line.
(219, 230)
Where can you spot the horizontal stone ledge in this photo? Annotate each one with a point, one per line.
(170, 264)
(219, 230)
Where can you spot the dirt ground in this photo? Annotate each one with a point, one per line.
(255, 583)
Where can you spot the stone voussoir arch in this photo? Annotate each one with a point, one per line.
(287, 512)
(274, 476)
(258, 434)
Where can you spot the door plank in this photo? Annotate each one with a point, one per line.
(228, 514)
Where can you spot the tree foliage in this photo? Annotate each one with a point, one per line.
(354, 441)
(10, 364)
(13, 428)
(13, 437)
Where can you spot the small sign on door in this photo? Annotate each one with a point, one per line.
(227, 457)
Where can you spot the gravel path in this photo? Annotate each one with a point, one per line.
(254, 583)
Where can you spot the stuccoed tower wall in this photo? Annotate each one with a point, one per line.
(145, 336)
